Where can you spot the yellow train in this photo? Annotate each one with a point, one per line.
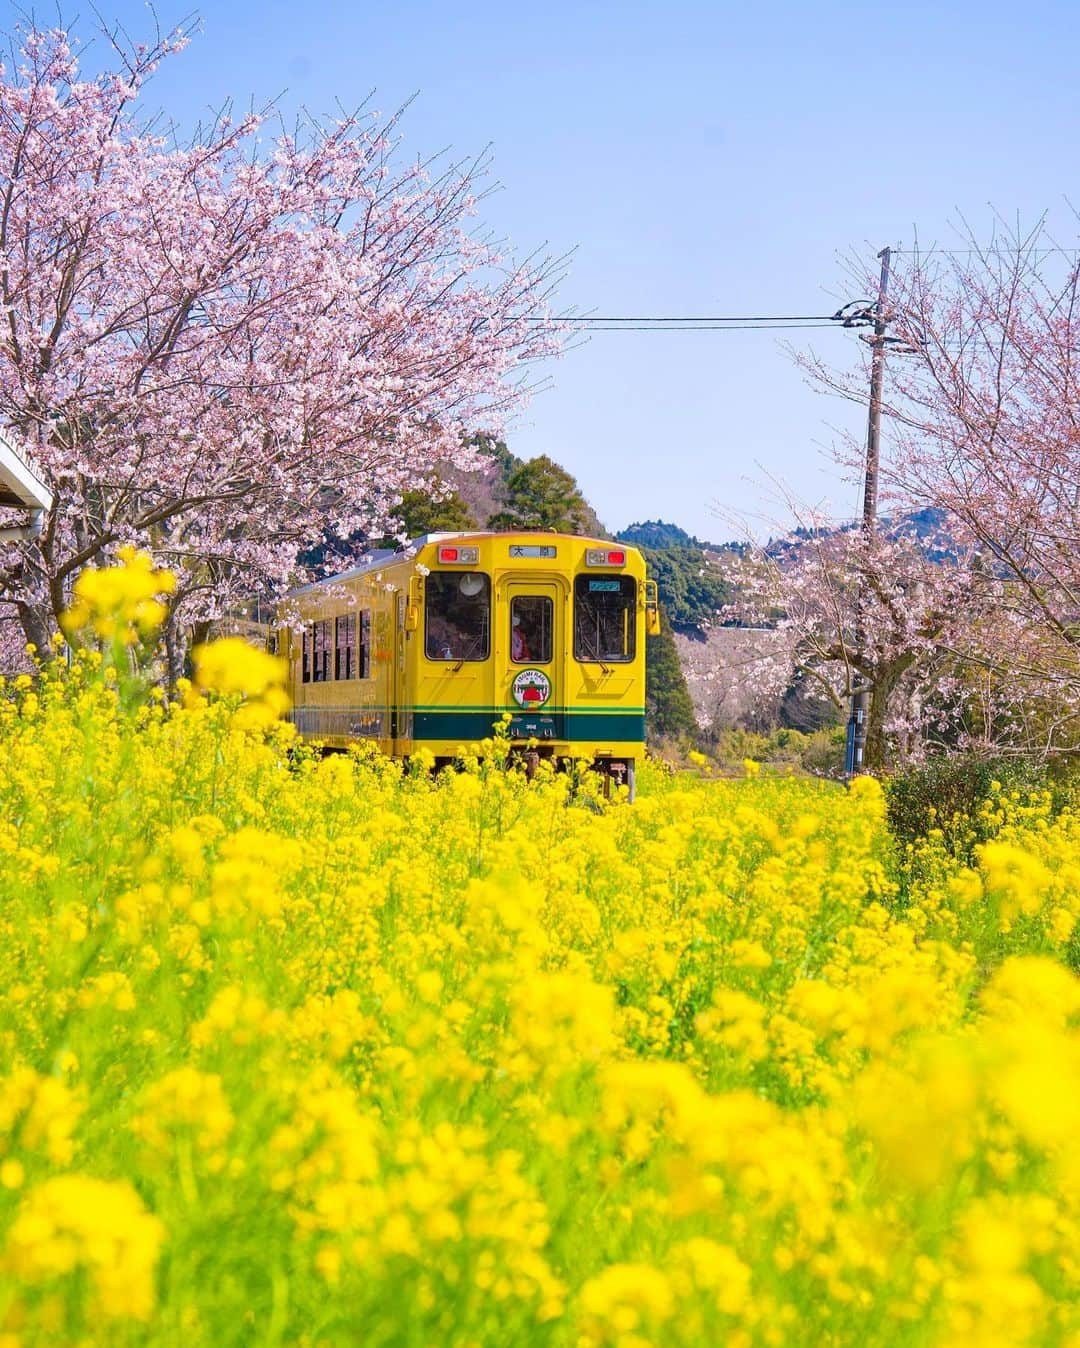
(428, 647)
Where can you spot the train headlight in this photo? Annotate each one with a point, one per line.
(605, 557)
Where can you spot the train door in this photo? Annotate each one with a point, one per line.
(530, 652)
(401, 714)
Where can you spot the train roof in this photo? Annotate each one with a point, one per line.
(380, 557)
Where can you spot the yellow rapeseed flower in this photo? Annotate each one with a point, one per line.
(231, 666)
(73, 1222)
(121, 603)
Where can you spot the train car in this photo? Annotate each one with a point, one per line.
(428, 647)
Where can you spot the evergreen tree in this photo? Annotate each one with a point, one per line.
(657, 534)
(540, 494)
(486, 443)
(420, 513)
(669, 708)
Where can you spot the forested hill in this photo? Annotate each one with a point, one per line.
(661, 534)
(927, 528)
(657, 534)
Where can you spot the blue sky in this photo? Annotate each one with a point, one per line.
(700, 159)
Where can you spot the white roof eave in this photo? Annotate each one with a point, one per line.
(21, 480)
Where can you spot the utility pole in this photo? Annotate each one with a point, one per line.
(862, 691)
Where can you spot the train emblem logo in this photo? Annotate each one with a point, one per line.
(531, 688)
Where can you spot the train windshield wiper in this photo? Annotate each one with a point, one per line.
(470, 651)
(591, 648)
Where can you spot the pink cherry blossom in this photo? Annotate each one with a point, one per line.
(927, 623)
(221, 351)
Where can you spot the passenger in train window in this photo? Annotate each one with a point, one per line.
(439, 644)
(519, 643)
(530, 629)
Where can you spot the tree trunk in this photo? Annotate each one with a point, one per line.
(175, 652)
(38, 627)
(874, 753)
(884, 682)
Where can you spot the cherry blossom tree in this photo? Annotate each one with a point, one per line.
(222, 350)
(880, 609)
(13, 657)
(982, 423)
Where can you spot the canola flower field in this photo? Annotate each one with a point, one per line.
(327, 1052)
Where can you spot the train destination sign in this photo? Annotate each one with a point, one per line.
(533, 550)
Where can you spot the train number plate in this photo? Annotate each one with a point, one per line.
(534, 728)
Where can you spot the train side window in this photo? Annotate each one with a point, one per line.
(605, 618)
(305, 659)
(530, 629)
(457, 615)
(321, 644)
(345, 647)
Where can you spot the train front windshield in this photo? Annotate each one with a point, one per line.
(605, 609)
(457, 617)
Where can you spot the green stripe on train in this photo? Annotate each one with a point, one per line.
(543, 709)
(466, 726)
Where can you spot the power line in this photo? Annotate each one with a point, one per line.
(997, 250)
(739, 318)
(684, 326)
(769, 322)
